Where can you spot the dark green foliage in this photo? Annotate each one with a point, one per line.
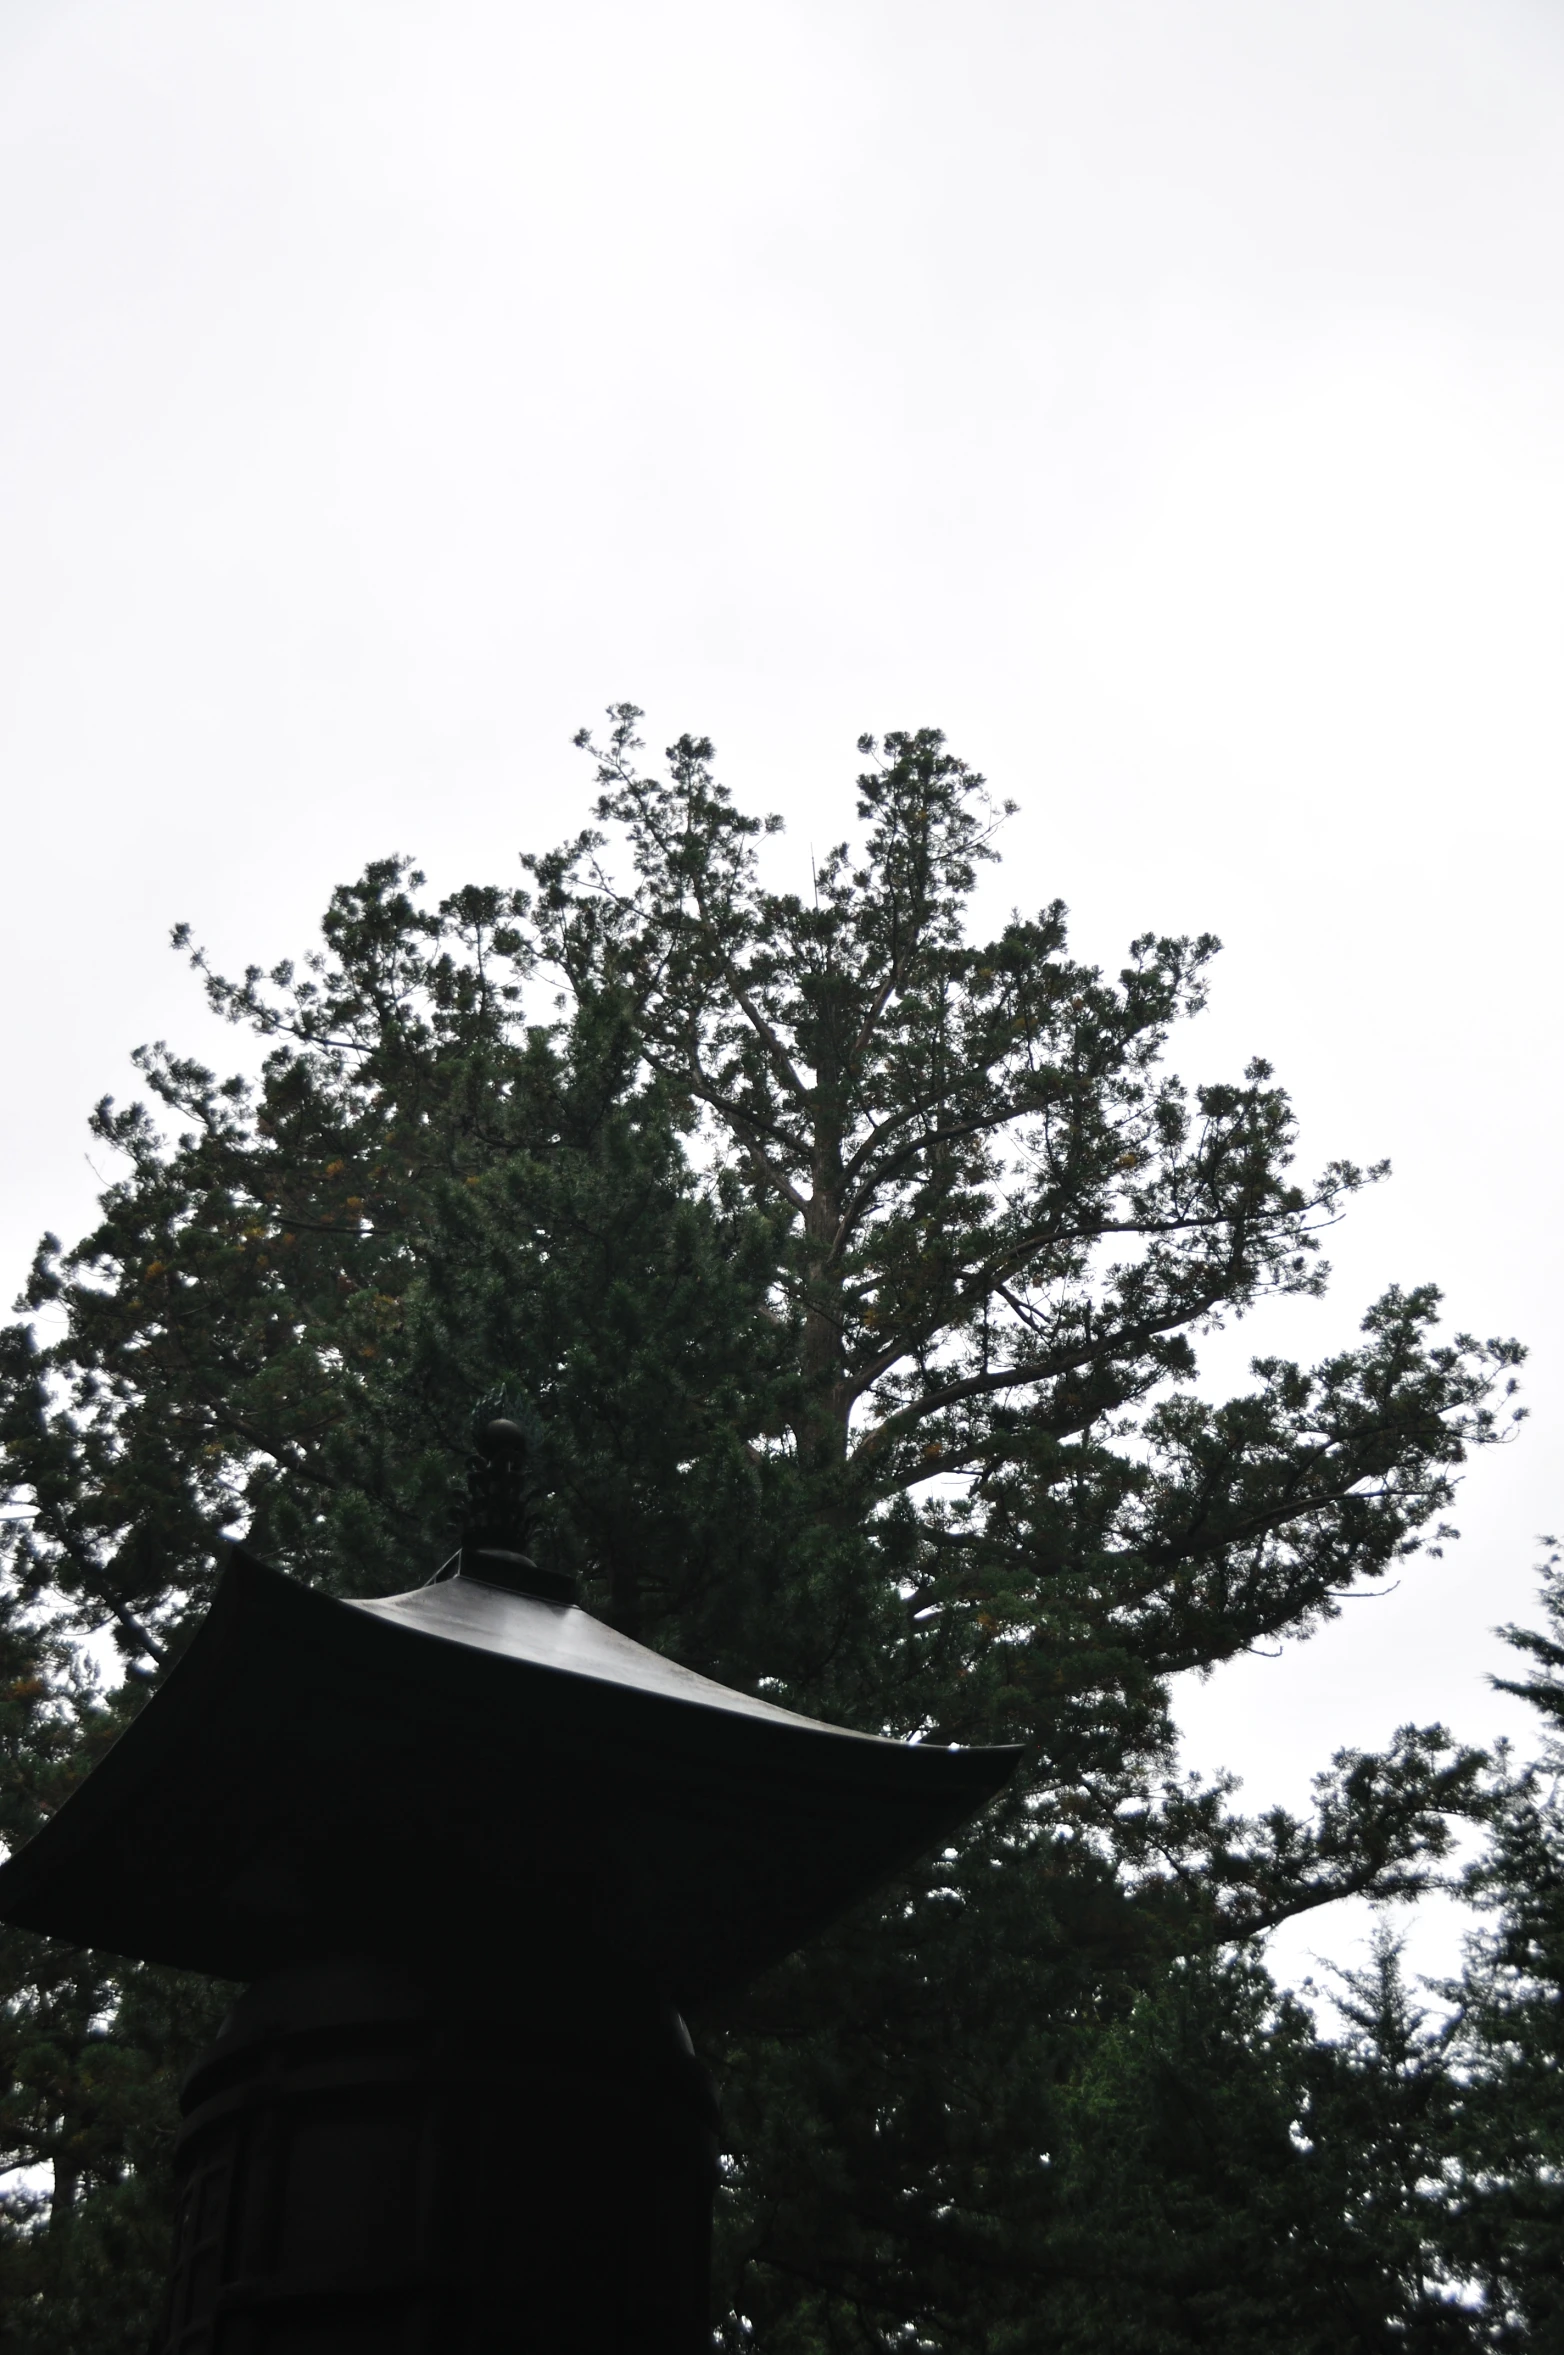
(1000, 1227)
(1382, 2123)
(1016, 2148)
(855, 1274)
(1225, 2181)
(1507, 2231)
(91, 2051)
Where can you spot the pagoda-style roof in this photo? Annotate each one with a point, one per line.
(463, 1767)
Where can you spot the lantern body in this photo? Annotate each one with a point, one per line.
(370, 2165)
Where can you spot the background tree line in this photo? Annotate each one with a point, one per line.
(856, 1270)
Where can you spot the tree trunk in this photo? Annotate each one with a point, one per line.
(62, 2206)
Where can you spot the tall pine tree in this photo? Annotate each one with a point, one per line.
(856, 1270)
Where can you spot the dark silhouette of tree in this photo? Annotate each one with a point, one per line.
(856, 1273)
(1507, 2219)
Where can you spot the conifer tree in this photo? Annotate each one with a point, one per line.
(1507, 2228)
(856, 1271)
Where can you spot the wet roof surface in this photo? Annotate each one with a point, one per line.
(561, 1636)
(473, 1772)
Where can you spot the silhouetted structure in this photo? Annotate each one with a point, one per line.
(475, 1849)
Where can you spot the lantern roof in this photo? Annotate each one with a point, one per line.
(471, 1766)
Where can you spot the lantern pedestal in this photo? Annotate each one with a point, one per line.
(373, 2163)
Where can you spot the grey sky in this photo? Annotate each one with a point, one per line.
(1162, 398)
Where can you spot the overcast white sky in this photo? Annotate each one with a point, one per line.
(1163, 396)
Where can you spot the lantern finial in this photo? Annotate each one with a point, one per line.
(503, 1495)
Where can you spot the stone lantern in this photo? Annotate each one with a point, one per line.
(472, 1853)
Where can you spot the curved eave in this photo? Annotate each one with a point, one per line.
(314, 1774)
